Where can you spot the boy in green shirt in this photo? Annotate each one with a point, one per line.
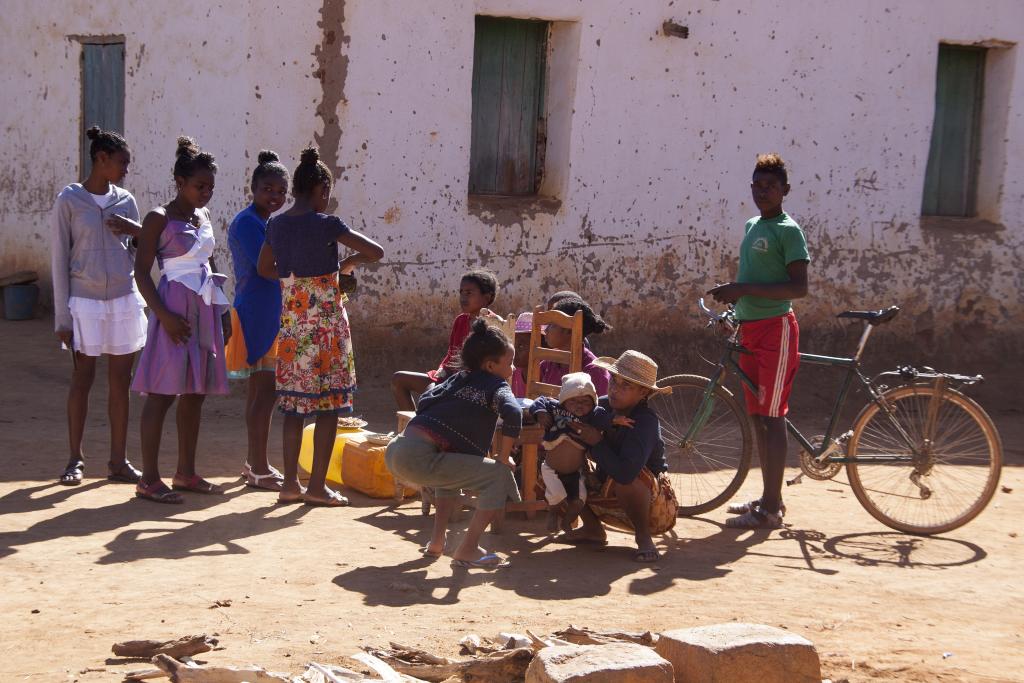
(772, 272)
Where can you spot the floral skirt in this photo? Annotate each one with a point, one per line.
(315, 369)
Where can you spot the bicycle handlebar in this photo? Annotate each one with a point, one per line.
(728, 316)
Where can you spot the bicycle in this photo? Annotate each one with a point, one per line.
(921, 457)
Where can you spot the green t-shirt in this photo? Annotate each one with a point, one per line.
(770, 244)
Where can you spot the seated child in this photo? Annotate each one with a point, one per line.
(477, 290)
(521, 333)
(564, 455)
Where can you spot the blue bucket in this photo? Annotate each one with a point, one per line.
(20, 301)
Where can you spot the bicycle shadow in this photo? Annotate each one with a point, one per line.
(892, 548)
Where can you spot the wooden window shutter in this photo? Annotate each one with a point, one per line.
(102, 92)
(508, 88)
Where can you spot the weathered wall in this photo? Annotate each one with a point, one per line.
(662, 136)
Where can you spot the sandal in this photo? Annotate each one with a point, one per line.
(195, 484)
(743, 508)
(158, 493)
(125, 472)
(256, 481)
(334, 500)
(425, 551)
(488, 561)
(73, 474)
(754, 519)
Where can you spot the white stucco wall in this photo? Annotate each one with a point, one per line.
(662, 138)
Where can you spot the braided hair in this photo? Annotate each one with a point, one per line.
(106, 141)
(268, 164)
(191, 159)
(309, 173)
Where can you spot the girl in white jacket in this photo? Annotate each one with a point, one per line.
(97, 307)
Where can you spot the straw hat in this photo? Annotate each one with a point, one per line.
(634, 367)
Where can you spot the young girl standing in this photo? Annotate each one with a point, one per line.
(256, 317)
(315, 369)
(188, 322)
(97, 308)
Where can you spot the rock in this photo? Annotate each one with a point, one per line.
(740, 653)
(612, 663)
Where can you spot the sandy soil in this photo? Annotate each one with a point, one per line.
(84, 567)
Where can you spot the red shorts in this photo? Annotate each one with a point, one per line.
(772, 363)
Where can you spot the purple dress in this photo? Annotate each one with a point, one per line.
(189, 288)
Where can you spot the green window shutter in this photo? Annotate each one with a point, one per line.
(508, 86)
(950, 186)
(102, 92)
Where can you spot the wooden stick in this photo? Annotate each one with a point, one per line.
(144, 674)
(586, 636)
(186, 646)
(413, 654)
(181, 673)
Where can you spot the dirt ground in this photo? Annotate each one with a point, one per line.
(84, 567)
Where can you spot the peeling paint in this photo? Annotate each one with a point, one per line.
(332, 71)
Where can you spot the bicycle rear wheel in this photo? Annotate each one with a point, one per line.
(707, 472)
(956, 469)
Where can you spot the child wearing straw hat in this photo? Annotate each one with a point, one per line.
(634, 493)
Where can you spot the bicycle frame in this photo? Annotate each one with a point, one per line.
(829, 445)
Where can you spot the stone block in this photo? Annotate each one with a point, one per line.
(740, 653)
(612, 663)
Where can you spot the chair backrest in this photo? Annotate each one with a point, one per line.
(573, 358)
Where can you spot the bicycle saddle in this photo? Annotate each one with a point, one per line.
(872, 317)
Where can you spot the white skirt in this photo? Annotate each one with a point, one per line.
(116, 326)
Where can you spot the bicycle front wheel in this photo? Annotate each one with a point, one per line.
(950, 474)
(707, 471)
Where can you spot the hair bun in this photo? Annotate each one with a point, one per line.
(187, 147)
(267, 156)
(93, 132)
(479, 326)
(309, 156)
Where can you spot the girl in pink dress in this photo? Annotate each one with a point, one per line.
(188, 321)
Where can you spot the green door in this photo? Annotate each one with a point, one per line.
(508, 87)
(950, 185)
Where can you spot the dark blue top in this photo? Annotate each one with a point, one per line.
(257, 299)
(625, 451)
(306, 245)
(461, 411)
(561, 418)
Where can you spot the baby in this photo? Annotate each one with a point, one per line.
(564, 455)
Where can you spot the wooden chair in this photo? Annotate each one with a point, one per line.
(532, 435)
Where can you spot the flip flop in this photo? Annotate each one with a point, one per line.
(334, 500)
(647, 556)
(488, 561)
(426, 552)
(195, 484)
(158, 493)
(125, 472)
(73, 474)
(292, 499)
